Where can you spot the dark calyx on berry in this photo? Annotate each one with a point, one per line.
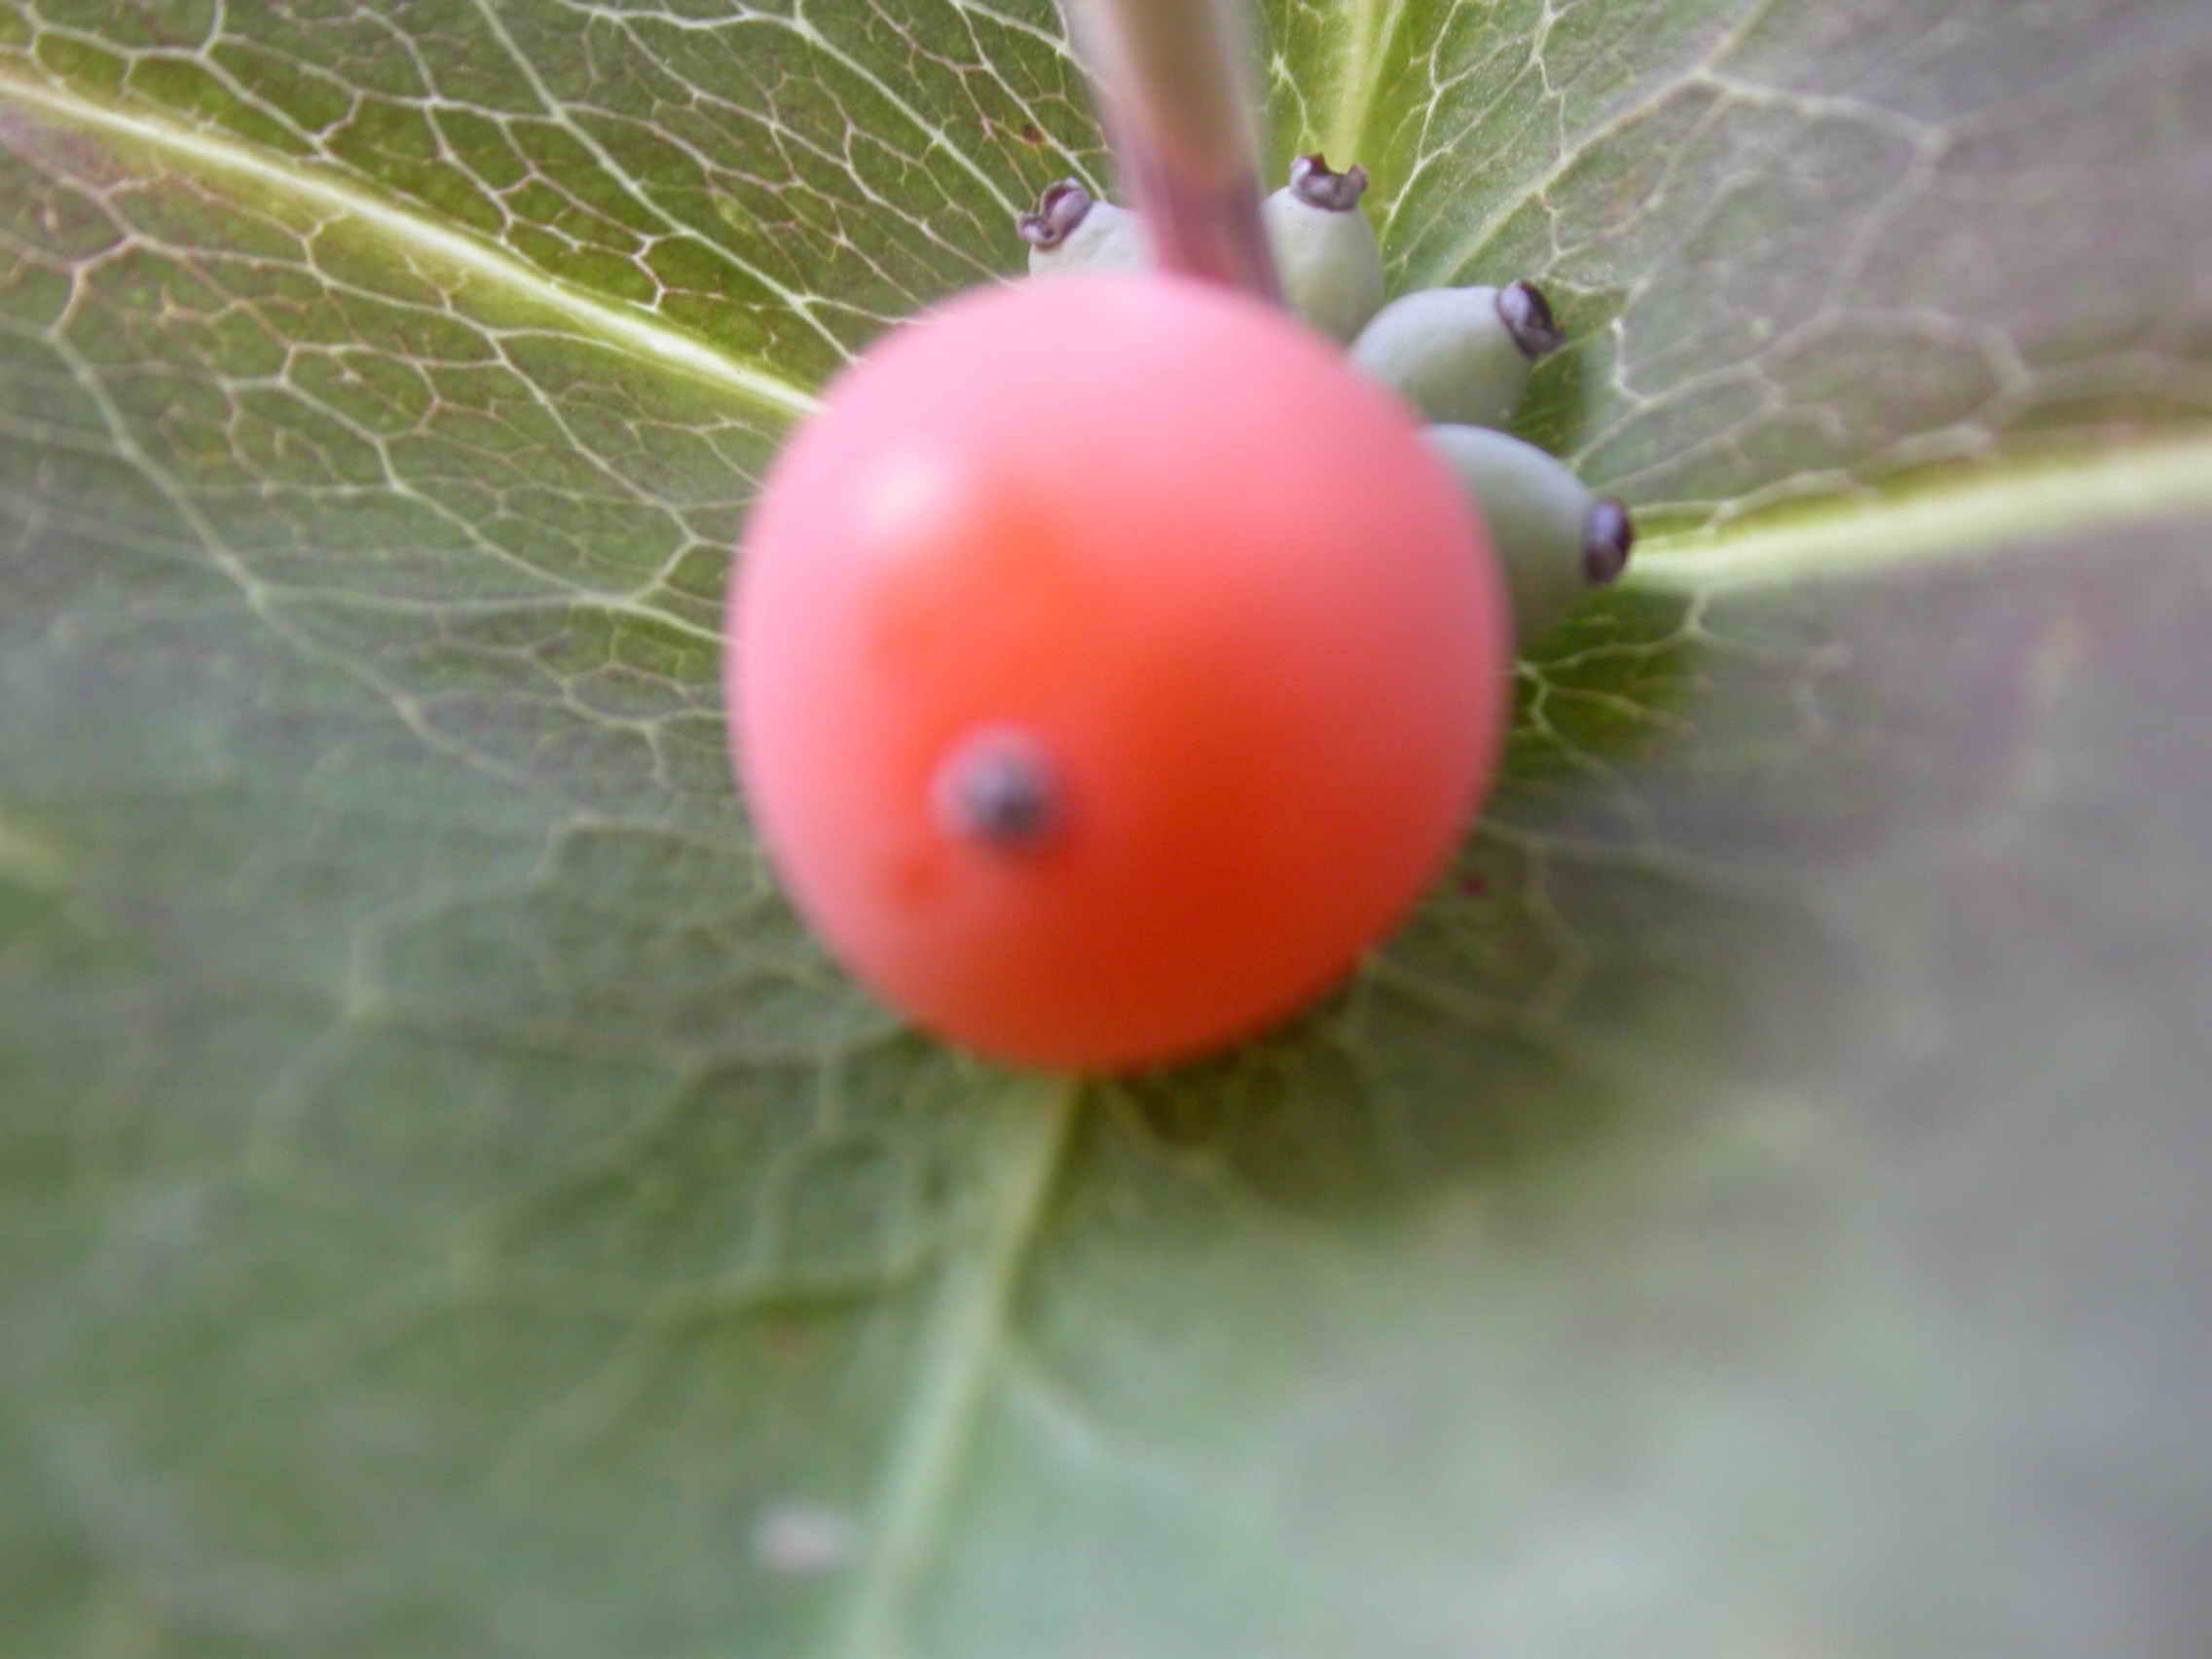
(1527, 318)
(1059, 211)
(998, 789)
(1607, 534)
(1313, 184)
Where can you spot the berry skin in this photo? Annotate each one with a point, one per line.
(1325, 250)
(1073, 231)
(1111, 665)
(1556, 541)
(1459, 354)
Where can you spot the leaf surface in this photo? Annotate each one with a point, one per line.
(447, 1204)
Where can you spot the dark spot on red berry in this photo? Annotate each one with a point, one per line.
(998, 789)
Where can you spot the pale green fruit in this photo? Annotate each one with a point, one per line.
(1459, 354)
(1071, 230)
(1556, 541)
(1326, 255)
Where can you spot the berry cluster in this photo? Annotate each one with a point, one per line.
(1460, 356)
(1114, 659)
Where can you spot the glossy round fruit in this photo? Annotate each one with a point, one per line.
(1556, 541)
(1459, 354)
(1072, 231)
(1110, 666)
(1325, 250)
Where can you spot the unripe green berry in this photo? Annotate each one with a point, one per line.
(1071, 230)
(1557, 541)
(1459, 354)
(1326, 254)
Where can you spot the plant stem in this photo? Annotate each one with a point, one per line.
(1173, 82)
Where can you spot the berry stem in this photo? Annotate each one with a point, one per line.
(1173, 80)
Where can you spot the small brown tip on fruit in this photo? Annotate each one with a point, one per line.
(1607, 534)
(1313, 184)
(1527, 318)
(998, 790)
(1059, 211)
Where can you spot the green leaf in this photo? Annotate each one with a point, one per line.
(447, 1204)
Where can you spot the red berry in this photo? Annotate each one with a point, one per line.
(1111, 665)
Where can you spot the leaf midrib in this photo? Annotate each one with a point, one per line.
(611, 325)
(2017, 503)
(1029, 1118)
(1369, 27)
